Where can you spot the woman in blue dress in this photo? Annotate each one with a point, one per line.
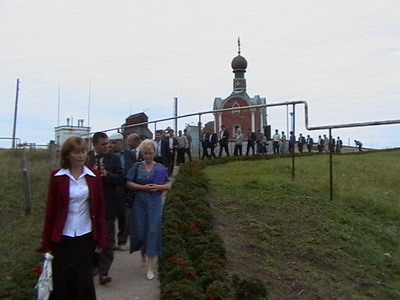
(148, 180)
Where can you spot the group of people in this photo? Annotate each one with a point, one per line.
(256, 142)
(172, 149)
(86, 195)
(281, 144)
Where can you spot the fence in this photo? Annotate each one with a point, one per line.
(287, 104)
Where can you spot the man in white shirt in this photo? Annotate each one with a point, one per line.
(276, 138)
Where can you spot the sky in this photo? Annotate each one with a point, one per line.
(342, 57)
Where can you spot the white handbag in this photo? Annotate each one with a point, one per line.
(44, 285)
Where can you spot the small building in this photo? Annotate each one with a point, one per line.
(63, 132)
(141, 130)
(244, 119)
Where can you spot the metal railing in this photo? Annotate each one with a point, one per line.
(287, 104)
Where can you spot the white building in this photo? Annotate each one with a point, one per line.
(63, 132)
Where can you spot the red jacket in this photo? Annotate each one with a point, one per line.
(57, 210)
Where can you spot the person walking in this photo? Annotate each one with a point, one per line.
(127, 158)
(276, 139)
(339, 145)
(188, 149)
(74, 225)
(223, 141)
(238, 142)
(310, 143)
(146, 219)
(251, 140)
(109, 166)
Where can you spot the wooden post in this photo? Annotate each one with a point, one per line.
(53, 153)
(25, 177)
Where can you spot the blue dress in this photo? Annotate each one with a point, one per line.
(147, 209)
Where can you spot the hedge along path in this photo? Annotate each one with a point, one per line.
(128, 275)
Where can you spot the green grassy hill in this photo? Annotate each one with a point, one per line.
(287, 233)
(302, 245)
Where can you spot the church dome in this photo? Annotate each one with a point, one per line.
(239, 64)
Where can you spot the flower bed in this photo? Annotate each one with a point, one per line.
(193, 264)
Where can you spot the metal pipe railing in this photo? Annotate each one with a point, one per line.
(286, 103)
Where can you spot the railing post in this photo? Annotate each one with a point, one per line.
(330, 165)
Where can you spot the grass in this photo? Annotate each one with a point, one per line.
(20, 233)
(287, 233)
(291, 236)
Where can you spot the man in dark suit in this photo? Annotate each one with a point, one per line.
(204, 143)
(111, 171)
(223, 141)
(172, 146)
(213, 140)
(127, 158)
(134, 141)
(162, 154)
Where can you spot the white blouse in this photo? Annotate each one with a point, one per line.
(78, 220)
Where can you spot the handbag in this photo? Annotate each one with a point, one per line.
(44, 285)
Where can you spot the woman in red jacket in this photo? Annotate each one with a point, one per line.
(74, 225)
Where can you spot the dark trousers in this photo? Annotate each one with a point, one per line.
(171, 162)
(189, 153)
(238, 150)
(291, 147)
(212, 154)
(122, 217)
(106, 257)
(222, 147)
(275, 145)
(205, 152)
(180, 158)
(72, 268)
(250, 145)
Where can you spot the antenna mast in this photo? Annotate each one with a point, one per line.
(90, 94)
(15, 114)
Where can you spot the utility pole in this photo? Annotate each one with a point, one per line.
(176, 115)
(15, 115)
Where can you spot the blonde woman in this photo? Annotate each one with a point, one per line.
(148, 180)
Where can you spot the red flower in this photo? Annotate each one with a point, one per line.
(183, 264)
(191, 274)
(37, 270)
(7, 294)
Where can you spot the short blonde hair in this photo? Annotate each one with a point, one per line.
(148, 144)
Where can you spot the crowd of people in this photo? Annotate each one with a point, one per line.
(122, 180)
(257, 144)
(119, 182)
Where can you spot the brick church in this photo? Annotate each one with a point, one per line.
(245, 119)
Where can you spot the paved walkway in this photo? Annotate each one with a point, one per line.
(129, 281)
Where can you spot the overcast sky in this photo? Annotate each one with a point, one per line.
(342, 57)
